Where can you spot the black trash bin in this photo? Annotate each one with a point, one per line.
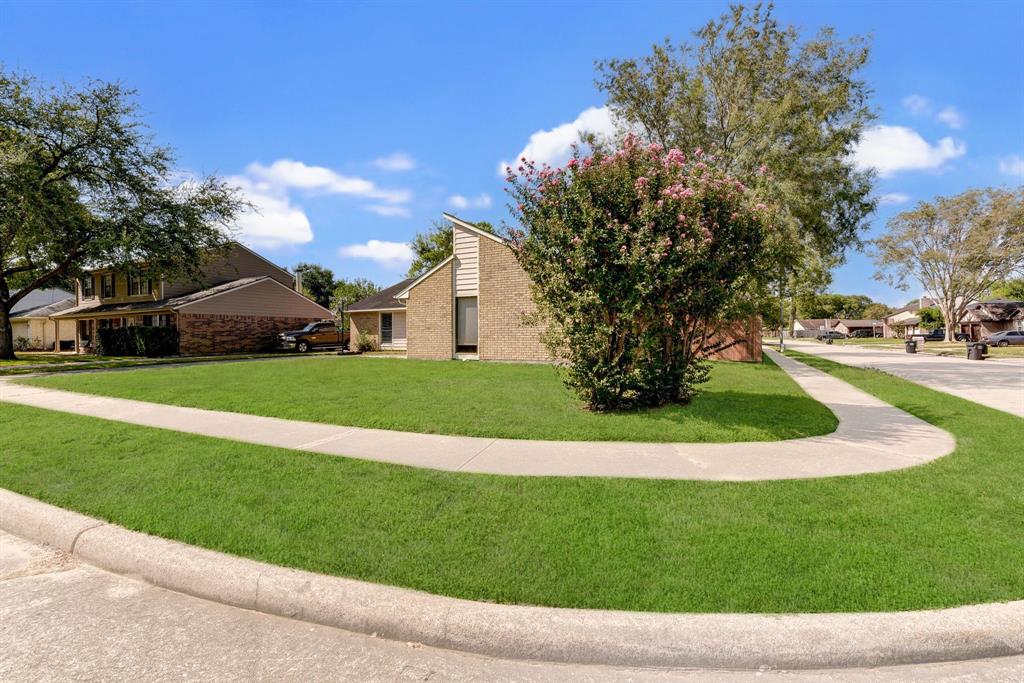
(977, 351)
(911, 345)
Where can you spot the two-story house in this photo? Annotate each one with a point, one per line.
(241, 303)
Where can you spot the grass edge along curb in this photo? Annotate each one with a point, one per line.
(734, 641)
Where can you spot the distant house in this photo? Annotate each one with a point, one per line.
(477, 304)
(811, 327)
(240, 304)
(983, 318)
(848, 327)
(904, 322)
(31, 319)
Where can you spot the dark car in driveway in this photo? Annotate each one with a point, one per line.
(319, 335)
(940, 335)
(1005, 338)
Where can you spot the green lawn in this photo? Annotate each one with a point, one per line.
(947, 533)
(742, 402)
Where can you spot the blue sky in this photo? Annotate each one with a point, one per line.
(353, 125)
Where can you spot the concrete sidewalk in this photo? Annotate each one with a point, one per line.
(872, 436)
(998, 385)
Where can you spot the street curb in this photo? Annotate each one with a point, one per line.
(579, 636)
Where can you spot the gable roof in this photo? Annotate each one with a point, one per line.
(997, 310)
(93, 308)
(405, 292)
(472, 228)
(38, 298)
(47, 310)
(383, 300)
(812, 323)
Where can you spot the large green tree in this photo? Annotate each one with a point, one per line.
(1008, 289)
(957, 248)
(317, 282)
(435, 245)
(82, 183)
(348, 292)
(762, 99)
(833, 306)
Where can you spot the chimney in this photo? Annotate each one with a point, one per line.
(298, 282)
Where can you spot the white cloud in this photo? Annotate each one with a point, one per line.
(952, 117)
(273, 221)
(389, 210)
(390, 254)
(554, 146)
(287, 173)
(890, 149)
(894, 198)
(917, 104)
(1013, 166)
(482, 201)
(398, 161)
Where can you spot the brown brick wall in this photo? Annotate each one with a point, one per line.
(504, 300)
(364, 322)
(429, 317)
(212, 333)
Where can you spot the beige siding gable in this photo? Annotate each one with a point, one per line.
(467, 262)
(266, 298)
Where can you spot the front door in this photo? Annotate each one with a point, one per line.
(466, 324)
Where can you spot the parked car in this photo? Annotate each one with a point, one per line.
(831, 334)
(940, 335)
(865, 334)
(319, 335)
(1005, 338)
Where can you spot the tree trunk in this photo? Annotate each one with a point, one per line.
(6, 335)
(949, 318)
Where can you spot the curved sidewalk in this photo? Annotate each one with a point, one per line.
(872, 436)
(734, 641)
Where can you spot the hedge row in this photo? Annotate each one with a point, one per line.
(138, 340)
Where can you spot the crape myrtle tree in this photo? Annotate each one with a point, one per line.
(82, 184)
(636, 256)
(758, 94)
(958, 248)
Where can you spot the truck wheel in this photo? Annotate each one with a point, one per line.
(302, 347)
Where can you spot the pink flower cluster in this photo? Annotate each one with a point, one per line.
(678, 191)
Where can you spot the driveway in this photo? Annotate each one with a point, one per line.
(996, 384)
(61, 620)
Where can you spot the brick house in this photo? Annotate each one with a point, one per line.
(985, 318)
(241, 303)
(904, 322)
(476, 304)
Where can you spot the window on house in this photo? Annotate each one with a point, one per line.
(466, 328)
(107, 286)
(138, 286)
(88, 287)
(386, 328)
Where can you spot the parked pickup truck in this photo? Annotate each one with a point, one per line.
(319, 335)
